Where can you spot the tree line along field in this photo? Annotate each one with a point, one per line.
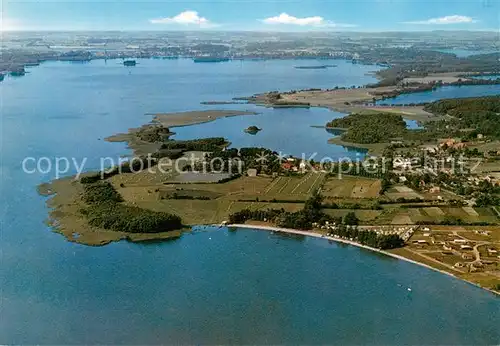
(196, 203)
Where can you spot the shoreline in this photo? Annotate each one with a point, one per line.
(371, 149)
(348, 242)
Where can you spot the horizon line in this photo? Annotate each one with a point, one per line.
(495, 31)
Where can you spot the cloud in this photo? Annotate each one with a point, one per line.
(285, 18)
(316, 21)
(184, 18)
(8, 24)
(455, 19)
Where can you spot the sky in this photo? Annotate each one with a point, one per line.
(258, 15)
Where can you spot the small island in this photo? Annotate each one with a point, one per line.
(253, 130)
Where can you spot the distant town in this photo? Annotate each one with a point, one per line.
(21, 49)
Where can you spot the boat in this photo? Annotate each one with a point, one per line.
(129, 63)
(209, 59)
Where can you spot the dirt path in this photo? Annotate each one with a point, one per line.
(496, 211)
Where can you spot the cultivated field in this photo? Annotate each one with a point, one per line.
(197, 202)
(402, 191)
(351, 187)
(394, 214)
(363, 215)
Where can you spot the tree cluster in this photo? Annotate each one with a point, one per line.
(369, 238)
(370, 128)
(153, 133)
(105, 210)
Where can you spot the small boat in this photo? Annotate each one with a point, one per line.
(129, 63)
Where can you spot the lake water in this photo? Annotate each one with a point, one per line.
(207, 287)
(412, 124)
(285, 130)
(445, 92)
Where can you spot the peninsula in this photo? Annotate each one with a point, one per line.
(446, 221)
(139, 139)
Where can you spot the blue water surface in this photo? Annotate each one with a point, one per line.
(211, 286)
(445, 92)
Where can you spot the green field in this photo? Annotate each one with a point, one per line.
(289, 193)
(220, 200)
(351, 187)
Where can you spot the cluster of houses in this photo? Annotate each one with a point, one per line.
(290, 165)
(293, 165)
(432, 164)
(451, 143)
(437, 157)
(463, 248)
(448, 246)
(492, 178)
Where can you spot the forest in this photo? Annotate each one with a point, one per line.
(104, 209)
(202, 144)
(370, 128)
(467, 118)
(482, 114)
